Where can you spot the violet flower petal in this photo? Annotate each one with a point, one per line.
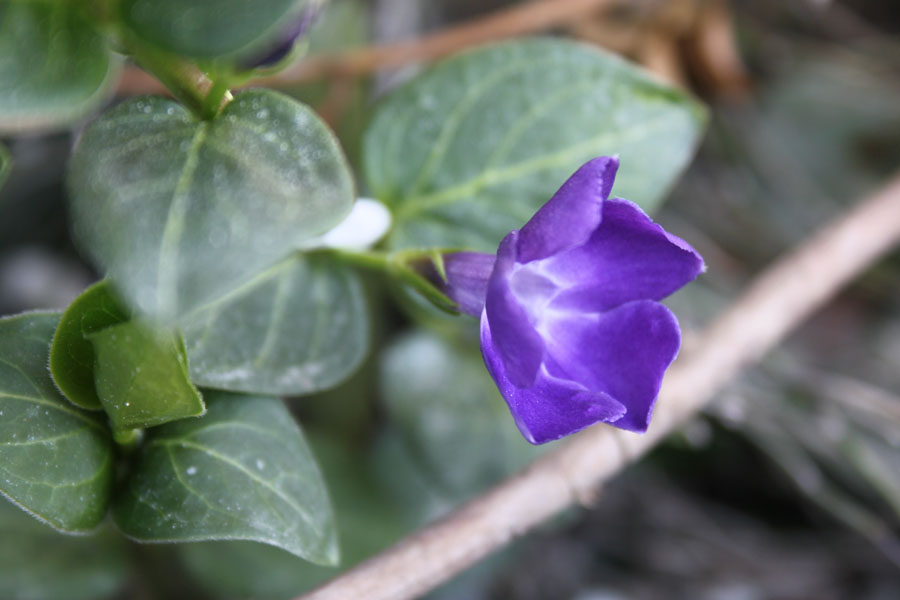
(286, 39)
(467, 279)
(628, 257)
(519, 345)
(569, 218)
(551, 408)
(623, 352)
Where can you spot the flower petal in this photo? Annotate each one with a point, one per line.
(286, 40)
(573, 213)
(551, 408)
(629, 257)
(623, 353)
(517, 344)
(467, 279)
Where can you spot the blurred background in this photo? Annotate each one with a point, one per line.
(787, 488)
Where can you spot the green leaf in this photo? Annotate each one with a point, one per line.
(100, 359)
(54, 67)
(56, 461)
(242, 472)
(181, 211)
(141, 375)
(37, 563)
(210, 28)
(470, 150)
(449, 412)
(297, 328)
(72, 354)
(366, 519)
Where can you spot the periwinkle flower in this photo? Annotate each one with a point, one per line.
(571, 327)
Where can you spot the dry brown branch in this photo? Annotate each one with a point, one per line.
(659, 53)
(713, 50)
(520, 19)
(775, 302)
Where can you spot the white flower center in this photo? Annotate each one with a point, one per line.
(535, 290)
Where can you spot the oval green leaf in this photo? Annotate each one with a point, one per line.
(72, 354)
(141, 376)
(54, 67)
(210, 28)
(56, 462)
(242, 472)
(181, 211)
(37, 563)
(368, 521)
(297, 328)
(470, 150)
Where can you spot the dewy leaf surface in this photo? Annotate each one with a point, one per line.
(56, 461)
(37, 563)
(368, 520)
(242, 472)
(72, 354)
(54, 67)
(209, 28)
(141, 376)
(470, 150)
(181, 211)
(299, 327)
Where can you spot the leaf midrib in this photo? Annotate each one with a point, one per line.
(185, 443)
(167, 267)
(51, 404)
(491, 177)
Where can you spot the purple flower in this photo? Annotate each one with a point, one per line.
(279, 49)
(571, 327)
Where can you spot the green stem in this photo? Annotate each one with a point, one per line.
(376, 261)
(128, 439)
(213, 101)
(400, 265)
(192, 85)
(189, 83)
(186, 82)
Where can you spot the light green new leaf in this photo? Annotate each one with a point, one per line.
(102, 360)
(72, 354)
(56, 461)
(297, 328)
(54, 67)
(242, 472)
(470, 150)
(37, 563)
(141, 376)
(449, 412)
(181, 211)
(210, 28)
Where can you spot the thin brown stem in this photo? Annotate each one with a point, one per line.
(776, 302)
(520, 19)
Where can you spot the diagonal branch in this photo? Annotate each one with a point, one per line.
(776, 302)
